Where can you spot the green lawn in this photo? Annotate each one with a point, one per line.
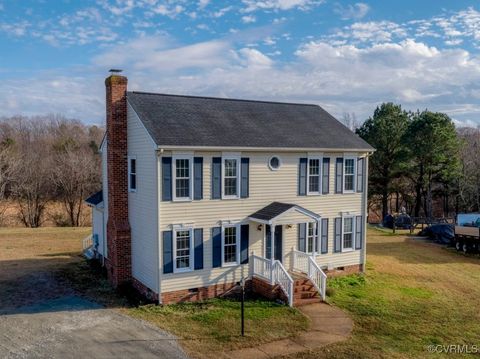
(214, 325)
(414, 294)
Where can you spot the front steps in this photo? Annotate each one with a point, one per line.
(304, 291)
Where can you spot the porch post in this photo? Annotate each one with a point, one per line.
(314, 235)
(272, 250)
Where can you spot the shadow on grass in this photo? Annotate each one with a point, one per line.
(43, 282)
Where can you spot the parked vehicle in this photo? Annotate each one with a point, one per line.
(467, 232)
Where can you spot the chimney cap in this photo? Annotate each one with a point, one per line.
(115, 71)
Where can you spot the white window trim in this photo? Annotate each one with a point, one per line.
(182, 270)
(237, 252)
(129, 159)
(353, 232)
(238, 159)
(354, 173)
(279, 163)
(174, 177)
(320, 175)
(317, 238)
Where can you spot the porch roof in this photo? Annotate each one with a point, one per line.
(275, 210)
(95, 199)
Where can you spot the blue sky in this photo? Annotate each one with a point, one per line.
(348, 56)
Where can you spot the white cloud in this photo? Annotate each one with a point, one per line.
(248, 19)
(222, 11)
(254, 5)
(17, 29)
(355, 11)
(203, 3)
(253, 58)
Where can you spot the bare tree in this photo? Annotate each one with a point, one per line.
(76, 176)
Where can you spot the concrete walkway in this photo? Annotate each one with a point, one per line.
(328, 325)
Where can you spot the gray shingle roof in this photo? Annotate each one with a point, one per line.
(95, 198)
(173, 120)
(271, 211)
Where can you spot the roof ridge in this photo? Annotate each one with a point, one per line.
(224, 98)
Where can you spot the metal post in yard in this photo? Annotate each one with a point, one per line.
(242, 283)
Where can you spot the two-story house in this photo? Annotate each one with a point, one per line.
(200, 193)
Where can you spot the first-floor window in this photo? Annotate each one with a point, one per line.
(311, 237)
(183, 250)
(349, 175)
(314, 175)
(230, 245)
(348, 233)
(182, 178)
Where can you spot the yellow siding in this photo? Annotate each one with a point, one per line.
(266, 186)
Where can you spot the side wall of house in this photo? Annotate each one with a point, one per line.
(265, 186)
(142, 204)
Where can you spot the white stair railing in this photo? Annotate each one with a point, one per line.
(281, 277)
(305, 263)
(262, 267)
(273, 272)
(87, 242)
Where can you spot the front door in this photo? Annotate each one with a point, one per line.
(277, 246)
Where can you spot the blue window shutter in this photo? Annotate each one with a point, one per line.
(166, 178)
(216, 177)
(167, 252)
(216, 247)
(337, 244)
(358, 232)
(244, 233)
(302, 177)
(244, 170)
(198, 248)
(339, 176)
(360, 174)
(326, 176)
(324, 238)
(302, 236)
(198, 178)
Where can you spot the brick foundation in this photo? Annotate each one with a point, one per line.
(144, 290)
(337, 272)
(196, 294)
(265, 289)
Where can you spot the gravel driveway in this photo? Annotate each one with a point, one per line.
(72, 327)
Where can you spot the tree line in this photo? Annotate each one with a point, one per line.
(46, 159)
(421, 158)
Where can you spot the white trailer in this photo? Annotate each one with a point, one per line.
(467, 232)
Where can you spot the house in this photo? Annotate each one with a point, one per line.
(200, 193)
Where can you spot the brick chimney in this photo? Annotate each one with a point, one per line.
(119, 263)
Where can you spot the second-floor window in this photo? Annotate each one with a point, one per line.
(182, 181)
(231, 175)
(313, 175)
(349, 175)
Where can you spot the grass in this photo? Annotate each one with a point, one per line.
(214, 325)
(414, 294)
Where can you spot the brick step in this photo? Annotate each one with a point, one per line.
(300, 302)
(304, 288)
(305, 295)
